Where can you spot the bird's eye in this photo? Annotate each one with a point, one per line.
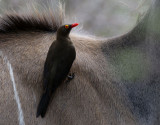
(66, 26)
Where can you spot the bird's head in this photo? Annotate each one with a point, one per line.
(64, 30)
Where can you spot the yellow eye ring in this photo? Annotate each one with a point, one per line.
(66, 26)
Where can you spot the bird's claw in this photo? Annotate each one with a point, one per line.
(70, 77)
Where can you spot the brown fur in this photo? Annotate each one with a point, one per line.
(92, 98)
(85, 100)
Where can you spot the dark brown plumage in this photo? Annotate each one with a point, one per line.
(59, 60)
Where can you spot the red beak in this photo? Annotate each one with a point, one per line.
(74, 25)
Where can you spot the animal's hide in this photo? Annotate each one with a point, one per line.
(96, 96)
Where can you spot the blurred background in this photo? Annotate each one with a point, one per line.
(98, 17)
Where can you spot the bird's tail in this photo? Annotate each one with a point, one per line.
(43, 104)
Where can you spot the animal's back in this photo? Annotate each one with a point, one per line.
(85, 100)
(91, 98)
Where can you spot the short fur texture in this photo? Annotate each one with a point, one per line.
(94, 97)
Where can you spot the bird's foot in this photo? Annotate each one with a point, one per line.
(70, 77)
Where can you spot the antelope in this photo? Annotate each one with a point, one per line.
(116, 80)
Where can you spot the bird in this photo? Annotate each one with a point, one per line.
(59, 60)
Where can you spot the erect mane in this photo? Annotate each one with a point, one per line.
(36, 21)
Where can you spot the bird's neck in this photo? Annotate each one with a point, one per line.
(63, 38)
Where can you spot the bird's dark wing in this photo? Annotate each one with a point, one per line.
(57, 68)
(48, 64)
(63, 66)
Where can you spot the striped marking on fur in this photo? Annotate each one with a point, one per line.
(20, 118)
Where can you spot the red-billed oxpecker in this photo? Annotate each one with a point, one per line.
(59, 60)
